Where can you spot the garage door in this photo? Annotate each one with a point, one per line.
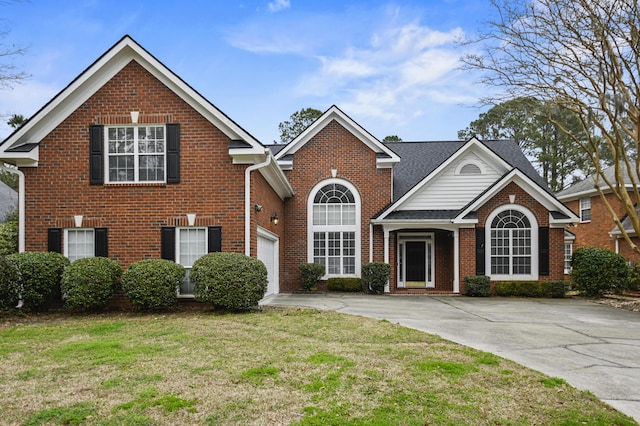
(268, 254)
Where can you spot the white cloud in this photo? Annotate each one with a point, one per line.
(278, 5)
(25, 99)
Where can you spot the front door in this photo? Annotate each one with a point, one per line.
(416, 260)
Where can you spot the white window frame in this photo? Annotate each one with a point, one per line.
(179, 231)
(355, 228)
(585, 204)
(401, 263)
(568, 256)
(67, 231)
(136, 154)
(481, 168)
(533, 276)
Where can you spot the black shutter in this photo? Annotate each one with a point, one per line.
(101, 242)
(54, 236)
(543, 250)
(480, 259)
(215, 239)
(96, 147)
(173, 153)
(168, 243)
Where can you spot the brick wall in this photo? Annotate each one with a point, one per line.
(334, 147)
(211, 186)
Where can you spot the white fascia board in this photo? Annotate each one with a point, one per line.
(278, 181)
(520, 179)
(334, 113)
(21, 159)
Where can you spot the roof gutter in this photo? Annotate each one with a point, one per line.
(247, 200)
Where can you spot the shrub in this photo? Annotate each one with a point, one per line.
(344, 284)
(9, 286)
(39, 277)
(522, 288)
(311, 274)
(152, 283)
(229, 280)
(477, 285)
(596, 271)
(558, 289)
(375, 276)
(88, 284)
(634, 277)
(8, 237)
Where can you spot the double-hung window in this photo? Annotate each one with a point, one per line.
(135, 154)
(585, 209)
(80, 243)
(191, 245)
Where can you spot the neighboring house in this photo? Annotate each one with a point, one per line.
(8, 200)
(130, 162)
(596, 227)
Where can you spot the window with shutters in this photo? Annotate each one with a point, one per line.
(191, 244)
(79, 243)
(135, 154)
(335, 228)
(513, 244)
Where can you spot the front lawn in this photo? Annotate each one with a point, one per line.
(274, 367)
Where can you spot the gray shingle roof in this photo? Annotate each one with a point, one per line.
(419, 159)
(588, 183)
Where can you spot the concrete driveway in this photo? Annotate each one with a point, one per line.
(593, 347)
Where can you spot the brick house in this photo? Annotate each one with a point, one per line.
(596, 227)
(130, 162)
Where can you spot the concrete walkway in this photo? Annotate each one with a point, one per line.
(593, 347)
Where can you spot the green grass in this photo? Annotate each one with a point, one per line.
(276, 367)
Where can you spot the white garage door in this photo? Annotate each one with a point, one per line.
(268, 254)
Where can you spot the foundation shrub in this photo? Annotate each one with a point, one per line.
(353, 285)
(522, 289)
(558, 289)
(596, 271)
(89, 284)
(230, 281)
(39, 275)
(477, 286)
(634, 277)
(9, 287)
(152, 284)
(375, 276)
(310, 274)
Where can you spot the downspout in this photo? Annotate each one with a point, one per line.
(247, 200)
(21, 204)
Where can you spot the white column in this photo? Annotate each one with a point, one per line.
(456, 260)
(386, 254)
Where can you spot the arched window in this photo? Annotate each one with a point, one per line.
(334, 228)
(511, 244)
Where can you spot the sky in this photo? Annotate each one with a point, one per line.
(392, 66)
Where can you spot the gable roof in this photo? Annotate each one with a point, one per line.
(13, 148)
(586, 187)
(385, 157)
(421, 162)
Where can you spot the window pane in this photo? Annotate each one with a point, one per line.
(80, 244)
(319, 215)
(192, 245)
(334, 214)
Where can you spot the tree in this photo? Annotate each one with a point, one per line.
(392, 138)
(16, 121)
(525, 121)
(297, 123)
(583, 57)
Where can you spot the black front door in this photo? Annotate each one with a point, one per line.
(416, 266)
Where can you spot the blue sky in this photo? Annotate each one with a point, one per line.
(391, 66)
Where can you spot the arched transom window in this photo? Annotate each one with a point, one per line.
(334, 227)
(511, 252)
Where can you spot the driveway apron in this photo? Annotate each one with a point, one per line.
(593, 347)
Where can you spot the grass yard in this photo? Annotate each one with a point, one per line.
(274, 367)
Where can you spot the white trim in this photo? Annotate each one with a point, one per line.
(357, 227)
(476, 163)
(247, 200)
(77, 230)
(581, 209)
(427, 238)
(334, 113)
(533, 276)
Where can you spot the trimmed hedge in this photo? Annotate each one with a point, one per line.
(229, 280)
(89, 283)
(375, 276)
(477, 286)
(39, 277)
(153, 283)
(344, 284)
(311, 274)
(522, 289)
(596, 271)
(9, 287)
(558, 289)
